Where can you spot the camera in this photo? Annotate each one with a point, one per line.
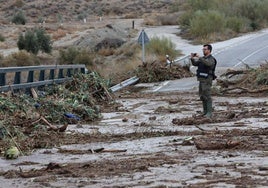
(193, 54)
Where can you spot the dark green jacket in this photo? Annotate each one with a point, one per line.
(206, 66)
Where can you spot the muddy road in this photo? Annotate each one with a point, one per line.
(155, 140)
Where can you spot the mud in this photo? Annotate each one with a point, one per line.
(154, 140)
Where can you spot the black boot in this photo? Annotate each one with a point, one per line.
(204, 107)
(209, 109)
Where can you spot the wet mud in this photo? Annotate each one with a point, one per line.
(154, 140)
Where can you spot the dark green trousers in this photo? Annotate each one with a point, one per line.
(205, 96)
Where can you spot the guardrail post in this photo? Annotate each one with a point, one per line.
(30, 79)
(17, 78)
(41, 78)
(2, 79)
(30, 76)
(69, 72)
(83, 70)
(52, 74)
(42, 75)
(60, 75)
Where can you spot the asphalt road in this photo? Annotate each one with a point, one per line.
(251, 49)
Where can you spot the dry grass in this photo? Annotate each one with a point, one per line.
(21, 58)
(59, 34)
(106, 51)
(119, 71)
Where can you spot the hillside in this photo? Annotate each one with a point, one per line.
(58, 10)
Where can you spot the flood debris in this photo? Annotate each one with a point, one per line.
(98, 150)
(157, 71)
(163, 145)
(215, 144)
(52, 109)
(12, 153)
(250, 80)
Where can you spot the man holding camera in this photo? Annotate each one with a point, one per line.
(205, 74)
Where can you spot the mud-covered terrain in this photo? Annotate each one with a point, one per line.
(155, 140)
(143, 139)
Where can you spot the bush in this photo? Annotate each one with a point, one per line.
(68, 56)
(84, 57)
(239, 16)
(205, 23)
(33, 41)
(75, 56)
(161, 47)
(21, 58)
(200, 4)
(28, 42)
(44, 41)
(19, 18)
(235, 24)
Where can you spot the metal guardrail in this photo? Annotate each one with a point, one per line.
(69, 71)
(125, 83)
(45, 74)
(184, 61)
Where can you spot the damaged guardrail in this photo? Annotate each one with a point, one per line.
(125, 83)
(184, 61)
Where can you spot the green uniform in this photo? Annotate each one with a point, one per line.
(205, 72)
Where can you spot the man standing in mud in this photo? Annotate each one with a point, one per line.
(205, 75)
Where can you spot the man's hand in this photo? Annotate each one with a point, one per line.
(194, 55)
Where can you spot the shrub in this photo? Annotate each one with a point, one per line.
(44, 41)
(161, 47)
(75, 56)
(33, 41)
(206, 22)
(239, 16)
(28, 42)
(84, 57)
(200, 4)
(184, 19)
(236, 24)
(82, 16)
(68, 56)
(19, 18)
